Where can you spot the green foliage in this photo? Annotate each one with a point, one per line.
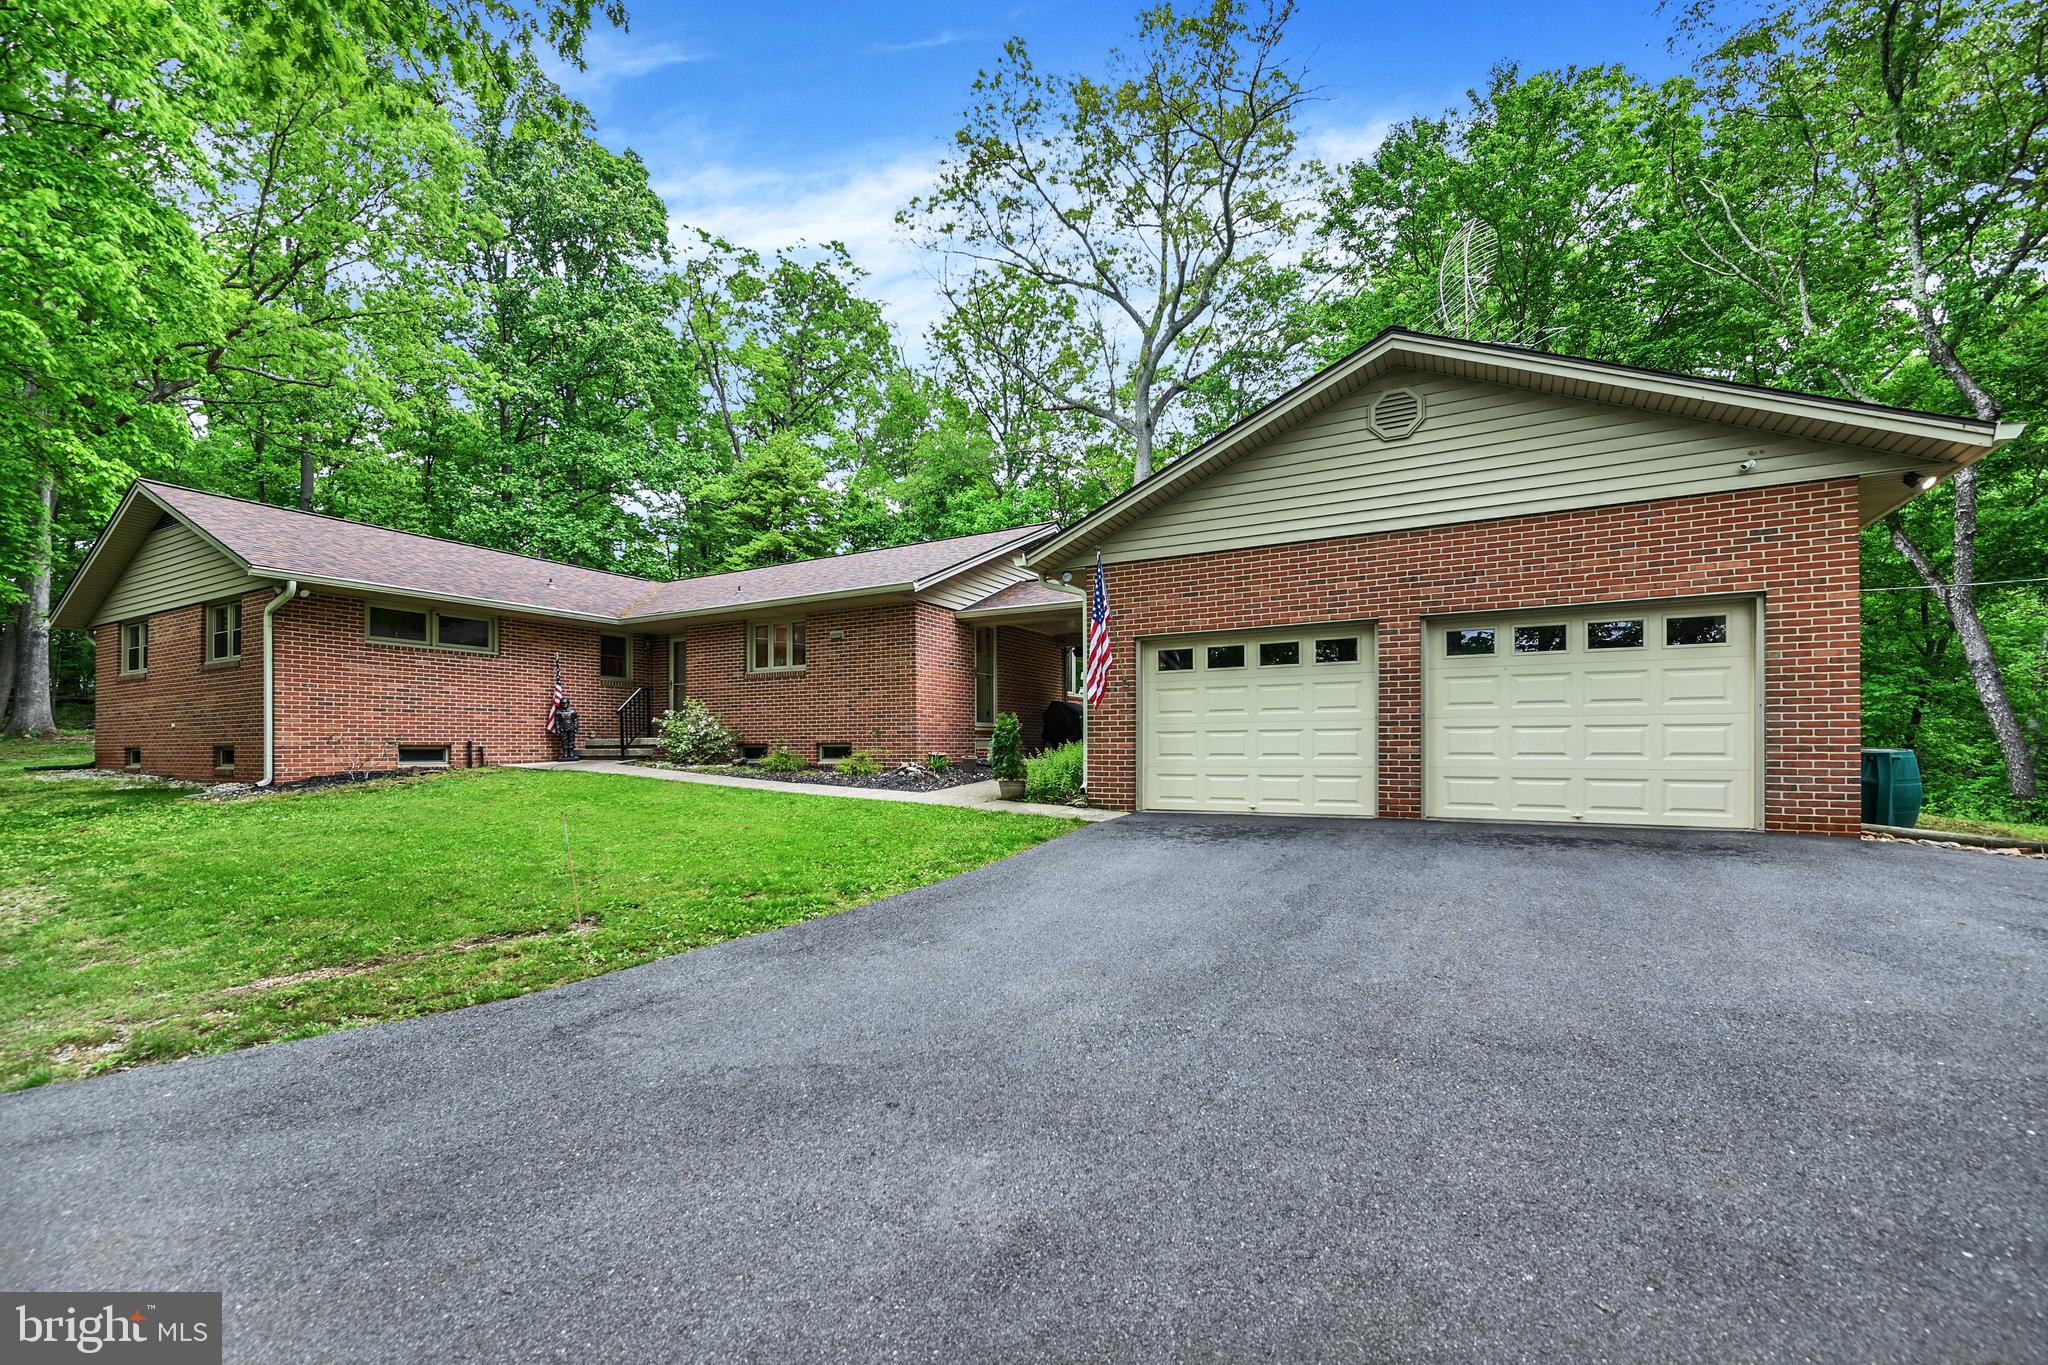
(108, 958)
(780, 758)
(937, 763)
(777, 505)
(861, 763)
(695, 734)
(1054, 777)
(1006, 748)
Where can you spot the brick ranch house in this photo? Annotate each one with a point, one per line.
(1440, 578)
(242, 641)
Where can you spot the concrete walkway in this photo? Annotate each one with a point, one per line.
(974, 795)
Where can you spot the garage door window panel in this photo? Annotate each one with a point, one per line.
(1344, 651)
(1685, 632)
(1541, 639)
(1468, 644)
(1226, 656)
(1618, 634)
(1279, 653)
(1176, 660)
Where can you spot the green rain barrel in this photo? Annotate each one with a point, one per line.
(1891, 787)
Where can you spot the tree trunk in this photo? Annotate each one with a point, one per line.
(1960, 601)
(306, 478)
(33, 714)
(10, 648)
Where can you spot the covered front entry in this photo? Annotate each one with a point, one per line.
(1642, 715)
(1274, 721)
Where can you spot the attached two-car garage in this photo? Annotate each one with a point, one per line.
(1622, 715)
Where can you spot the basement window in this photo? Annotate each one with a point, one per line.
(753, 753)
(223, 758)
(131, 758)
(422, 755)
(832, 753)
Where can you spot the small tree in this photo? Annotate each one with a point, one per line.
(1006, 748)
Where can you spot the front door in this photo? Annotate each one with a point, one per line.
(678, 660)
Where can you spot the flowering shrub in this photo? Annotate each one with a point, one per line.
(696, 735)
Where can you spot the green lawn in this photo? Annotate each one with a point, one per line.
(1998, 828)
(137, 927)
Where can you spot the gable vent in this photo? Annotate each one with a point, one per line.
(1396, 413)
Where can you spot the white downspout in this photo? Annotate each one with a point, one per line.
(290, 591)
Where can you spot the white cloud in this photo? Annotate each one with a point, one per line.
(852, 201)
(1341, 144)
(610, 57)
(943, 38)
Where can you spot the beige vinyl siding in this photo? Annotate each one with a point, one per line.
(968, 588)
(175, 567)
(1483, 451)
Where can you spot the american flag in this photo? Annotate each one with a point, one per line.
(1100, 655)
(555, 702)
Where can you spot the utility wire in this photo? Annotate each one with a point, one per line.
(1945, 587)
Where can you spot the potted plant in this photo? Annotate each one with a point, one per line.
(1006, 756)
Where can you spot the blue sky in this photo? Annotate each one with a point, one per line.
(773, 123)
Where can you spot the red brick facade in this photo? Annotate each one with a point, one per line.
(1797, 546)
(897, 678)
(183, 708)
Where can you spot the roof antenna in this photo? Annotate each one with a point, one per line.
(1464, 291)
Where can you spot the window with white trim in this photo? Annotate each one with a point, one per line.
(985, 675)
(135, 647)
(223, 632)
(776, 647)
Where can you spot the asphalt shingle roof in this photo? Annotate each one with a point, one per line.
(286, 543)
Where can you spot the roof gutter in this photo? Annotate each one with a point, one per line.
(289, 591)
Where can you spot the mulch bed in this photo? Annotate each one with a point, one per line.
(910, 778)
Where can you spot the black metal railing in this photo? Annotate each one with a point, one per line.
(636, 718)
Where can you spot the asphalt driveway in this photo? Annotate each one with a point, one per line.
(1168, 1089)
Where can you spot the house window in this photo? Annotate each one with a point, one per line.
(1075, 670)
(778, 647)
(422, 755)
(614, 659)
(135, 647)
(223, 632)
(223, 758)
(131, 758)
(985, 675)
(440, 630)
(1460, 644)
(463, 632)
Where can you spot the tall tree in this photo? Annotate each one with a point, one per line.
(1901, 149)
(1145, 199)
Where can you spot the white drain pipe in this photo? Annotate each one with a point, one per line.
(290, 591)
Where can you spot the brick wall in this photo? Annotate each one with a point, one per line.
(1796, 545)
(856, 688)
(345, 704)
(183, 707)
(1028, 675)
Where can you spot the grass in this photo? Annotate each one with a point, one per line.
(136, 926)
(2001, 829)
(1054, 777)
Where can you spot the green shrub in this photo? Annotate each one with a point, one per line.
(781, 759)
(937, 763)
(1054, 776)
(861, 763)
(1006, 748)
(696, 735)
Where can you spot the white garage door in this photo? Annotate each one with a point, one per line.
(1276, 721)
(1631, 716)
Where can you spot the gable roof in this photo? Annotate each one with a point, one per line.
(1930, 437)
(283, 544)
